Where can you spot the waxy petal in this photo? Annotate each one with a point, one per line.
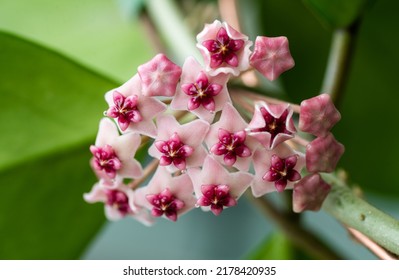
(271, 56)
(159, 76)
(318, 115)
(310, 193)
(224, 49)
(205, 102)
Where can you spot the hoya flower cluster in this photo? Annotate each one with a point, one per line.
(205, 153)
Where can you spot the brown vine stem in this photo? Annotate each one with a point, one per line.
(148, 170)
(301, 237)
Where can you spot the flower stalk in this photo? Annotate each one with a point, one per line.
(356, 213)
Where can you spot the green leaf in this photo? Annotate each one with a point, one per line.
(337, 13)
(50, 109)
(277, 246)
(96, 33)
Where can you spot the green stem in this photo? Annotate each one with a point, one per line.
(356, 213)
(341, 53)
(168, 19)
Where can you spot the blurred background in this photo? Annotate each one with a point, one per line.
(58, 58)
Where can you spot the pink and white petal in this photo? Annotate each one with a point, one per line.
(96, 194)
(112, 214)
(145, 127)
(107, 133)
(197, 157)
(193, 133)
(239, 182)
(182, 188)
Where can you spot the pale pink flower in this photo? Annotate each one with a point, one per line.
(133, 111)
(276, 170)
(159, 76)
(216, 188)
(309, 193)
(119, 203)
(166, 195)
(271, 56)
(224, 49)
(323, 154)
(318, 115)
(228, 141)
(271, 124)
(179, 146)
(113, 154)
(199, 93)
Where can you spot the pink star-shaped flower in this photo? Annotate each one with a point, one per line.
(179, 146)
(166, 195)
(271, 124)
(271, 56)
(323, 154)
(133, 111)
(119, 203)
(224, 49)
(201, 94)
(159, 76)
(228, 141)
(215, 187)
(113, 154)
(318, 115)
(276, 170)
(309, 193)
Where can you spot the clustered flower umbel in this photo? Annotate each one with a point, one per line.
(202, 162)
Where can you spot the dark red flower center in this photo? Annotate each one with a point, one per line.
(165, 203)
(223, 49)
(202, 93)
(231, 145)
(118, 200)
(174, 151)
(216, 196)
(273, 125)
(106, 160)
(281, 171)
(125, 110)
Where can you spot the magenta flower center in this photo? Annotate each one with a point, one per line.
(174, 151)
(106, 160)
(165, 203)
(273, 125)
(202, 93)
(281, 171)
(216, 196)
(125, 110)
(119, 201)
(223, 49)
(231, 145)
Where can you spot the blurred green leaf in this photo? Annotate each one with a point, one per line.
(337, 13)
(277, 247)
(50, 108)
(98, 34)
